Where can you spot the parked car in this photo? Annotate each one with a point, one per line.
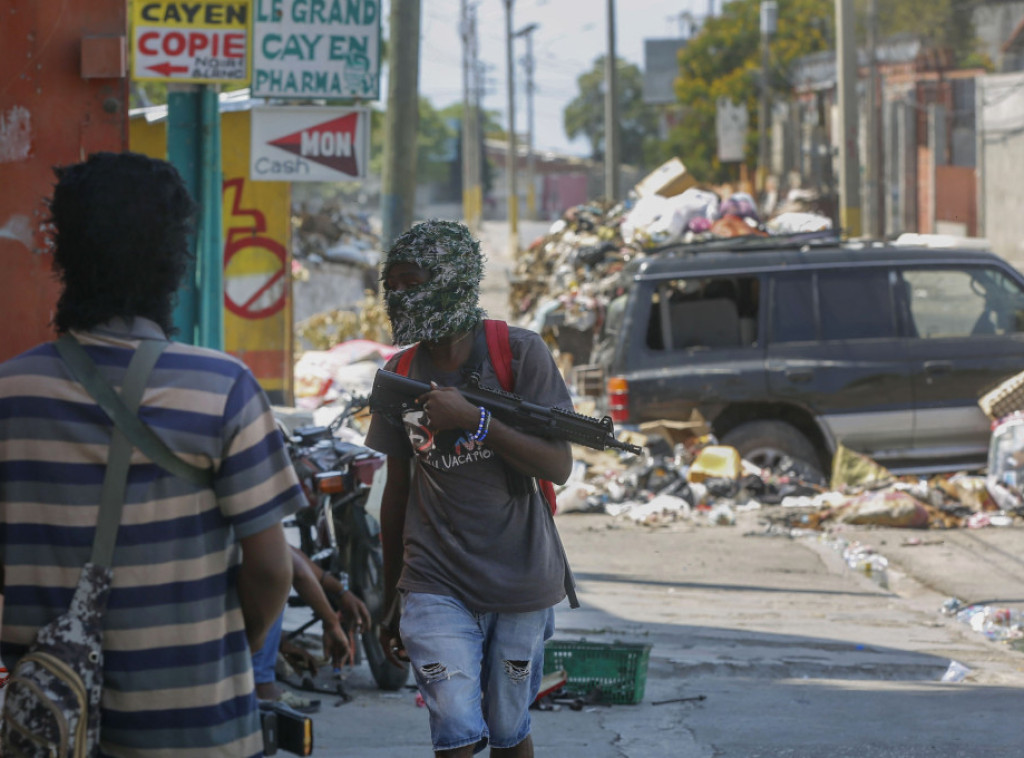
(788, 347)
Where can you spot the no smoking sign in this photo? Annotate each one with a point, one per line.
(255, 285)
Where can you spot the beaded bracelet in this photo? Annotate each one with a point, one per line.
(481, 436)
(483, 427)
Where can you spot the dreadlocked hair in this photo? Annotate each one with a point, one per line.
(122, 223)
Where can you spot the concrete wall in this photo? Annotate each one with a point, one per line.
(1000, 158)
(330, 286)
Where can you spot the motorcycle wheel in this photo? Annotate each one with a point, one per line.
(367, 580)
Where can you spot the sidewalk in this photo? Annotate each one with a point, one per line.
(796, 654)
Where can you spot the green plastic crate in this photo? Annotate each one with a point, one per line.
(618, 669)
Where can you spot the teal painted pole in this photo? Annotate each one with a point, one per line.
(182, 153)
(193, 147)
(210, 263)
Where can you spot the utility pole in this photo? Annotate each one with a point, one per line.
(872, 216)
(475, 135)
(769, 24)
(528, 64)
(398, 180)
(849, 179)
(467, 118)
(512, 160)
(611, 122)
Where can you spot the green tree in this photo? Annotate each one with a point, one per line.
(492, 129)
(638, 122)
(434, 139)
(724, 60)
(942, 24)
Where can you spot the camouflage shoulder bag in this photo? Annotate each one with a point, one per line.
(52, 705)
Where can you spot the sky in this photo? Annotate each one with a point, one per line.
(571, 34)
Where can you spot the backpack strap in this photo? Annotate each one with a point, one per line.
(500, 348)
(501, 352)
(405, 360)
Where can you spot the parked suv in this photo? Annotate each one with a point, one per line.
(789, 348)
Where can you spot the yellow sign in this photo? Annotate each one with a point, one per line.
(257, 263)
(191, 40)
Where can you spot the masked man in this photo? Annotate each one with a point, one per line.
(470, 547)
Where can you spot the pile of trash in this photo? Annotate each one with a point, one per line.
(330, 231)
(996, 622)
(348, 348)
(695, 478)
(563, 281)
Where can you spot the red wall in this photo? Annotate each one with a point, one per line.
(50, 114)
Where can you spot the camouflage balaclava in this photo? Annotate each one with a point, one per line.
(447, 304)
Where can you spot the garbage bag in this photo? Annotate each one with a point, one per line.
(852, 470)
(886, 508)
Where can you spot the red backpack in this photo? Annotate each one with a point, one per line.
(500, 352)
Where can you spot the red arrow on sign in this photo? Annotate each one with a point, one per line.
(332, 143)
(167, 69)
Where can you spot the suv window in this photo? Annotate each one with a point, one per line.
(855, 304)
(704, 312)
(850, 304)
(963, 302)
(793, 309)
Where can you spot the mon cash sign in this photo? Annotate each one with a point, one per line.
(309, 144)
(323, 49)
(191, 40)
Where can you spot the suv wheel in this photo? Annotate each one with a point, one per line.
(766, 443)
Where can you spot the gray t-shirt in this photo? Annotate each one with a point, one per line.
(467, 533)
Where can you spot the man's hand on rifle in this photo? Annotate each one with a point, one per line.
(446, 408)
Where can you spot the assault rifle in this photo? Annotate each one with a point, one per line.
(394, 394)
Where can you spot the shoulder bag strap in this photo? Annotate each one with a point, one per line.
(144, 438)
(115, 480)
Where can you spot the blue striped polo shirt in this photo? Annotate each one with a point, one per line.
(177, 668)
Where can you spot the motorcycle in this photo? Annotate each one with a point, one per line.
(335, 529)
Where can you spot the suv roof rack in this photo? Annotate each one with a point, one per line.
(749, 242)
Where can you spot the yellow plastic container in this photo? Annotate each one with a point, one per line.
(716, 462)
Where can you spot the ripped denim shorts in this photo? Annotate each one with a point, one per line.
(477, 672)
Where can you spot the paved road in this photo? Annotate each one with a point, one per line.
(796, 654)
(494, 241)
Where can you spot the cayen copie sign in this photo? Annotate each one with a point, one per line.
(201, 41)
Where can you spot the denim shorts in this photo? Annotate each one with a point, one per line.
(477, 672)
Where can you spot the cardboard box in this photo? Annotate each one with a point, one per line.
(677, 432)
(668, 180)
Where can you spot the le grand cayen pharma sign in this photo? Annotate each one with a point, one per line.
(311, 49)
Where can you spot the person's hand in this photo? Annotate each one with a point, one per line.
(298, 657)
(446, 408)
(355, 611)
(394, 649)
(337, 644)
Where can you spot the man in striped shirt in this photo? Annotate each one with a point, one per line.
(199, 573)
